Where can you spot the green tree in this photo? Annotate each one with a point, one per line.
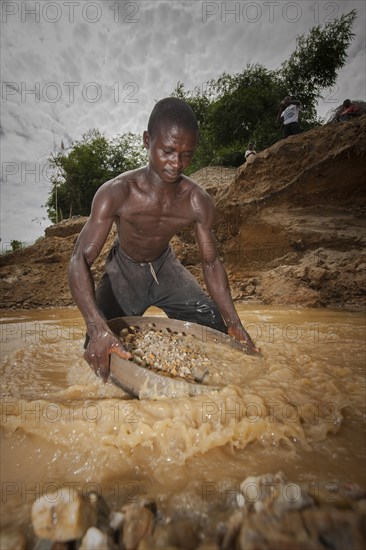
(238, 108)
(85, 167)
(233, 110)
(246, 108)
(314, 64)
(16, 245)
(201, 102)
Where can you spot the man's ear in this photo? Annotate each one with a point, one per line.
(146, 139)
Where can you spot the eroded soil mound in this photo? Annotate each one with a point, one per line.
(290, 227)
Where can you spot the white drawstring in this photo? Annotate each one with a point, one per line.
(153, 273)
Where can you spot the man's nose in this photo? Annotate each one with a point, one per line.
(176, 162)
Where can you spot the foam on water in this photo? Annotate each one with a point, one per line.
(288, 405)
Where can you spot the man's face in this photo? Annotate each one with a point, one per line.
(171, 149)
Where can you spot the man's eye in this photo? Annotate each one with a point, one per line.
(167, 152)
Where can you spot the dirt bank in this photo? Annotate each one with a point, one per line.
(290, 227)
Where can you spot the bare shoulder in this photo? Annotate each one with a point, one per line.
(114, 192)
(200, 200)
(196, 192)
(121, 184)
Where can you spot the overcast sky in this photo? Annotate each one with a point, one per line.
(69, 66)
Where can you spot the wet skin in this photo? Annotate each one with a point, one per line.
(149, 206)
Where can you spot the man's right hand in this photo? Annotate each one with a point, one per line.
(98, 351)
(238, 332)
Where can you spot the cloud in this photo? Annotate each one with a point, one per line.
(104, 64)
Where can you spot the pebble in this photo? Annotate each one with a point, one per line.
(62, 516)
(96, 540)
(137, 524)
(167, 352)
(12, 541)
(116, 520)
(273, 491)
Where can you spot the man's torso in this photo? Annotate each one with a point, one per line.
(147, 217)
(290, 114)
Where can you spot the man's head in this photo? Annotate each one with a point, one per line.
(347, 103)
(171, 138)
(172, 111)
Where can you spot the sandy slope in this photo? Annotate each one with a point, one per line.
(290, 227)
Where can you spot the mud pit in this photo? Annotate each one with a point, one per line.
(300, 410)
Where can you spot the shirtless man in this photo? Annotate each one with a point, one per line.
(150, 205)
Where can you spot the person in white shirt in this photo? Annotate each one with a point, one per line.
(289, 116)
(250, 153)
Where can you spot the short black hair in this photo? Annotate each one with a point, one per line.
(172, 111)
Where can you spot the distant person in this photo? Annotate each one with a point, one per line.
(348, 110)
(288, 116)
(250, 153)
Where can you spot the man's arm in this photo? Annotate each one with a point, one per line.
(279, 118)
(88, 246)
(216, 278)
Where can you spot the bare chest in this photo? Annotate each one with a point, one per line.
(156, 215)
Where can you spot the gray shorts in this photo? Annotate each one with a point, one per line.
(128, 288)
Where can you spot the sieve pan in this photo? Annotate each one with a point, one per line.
(144, 383)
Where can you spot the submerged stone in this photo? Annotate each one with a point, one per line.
(96, 540)
(63, 515)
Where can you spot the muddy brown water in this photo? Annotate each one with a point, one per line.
(300, 409)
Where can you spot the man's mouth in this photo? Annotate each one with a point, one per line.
(173, 174)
